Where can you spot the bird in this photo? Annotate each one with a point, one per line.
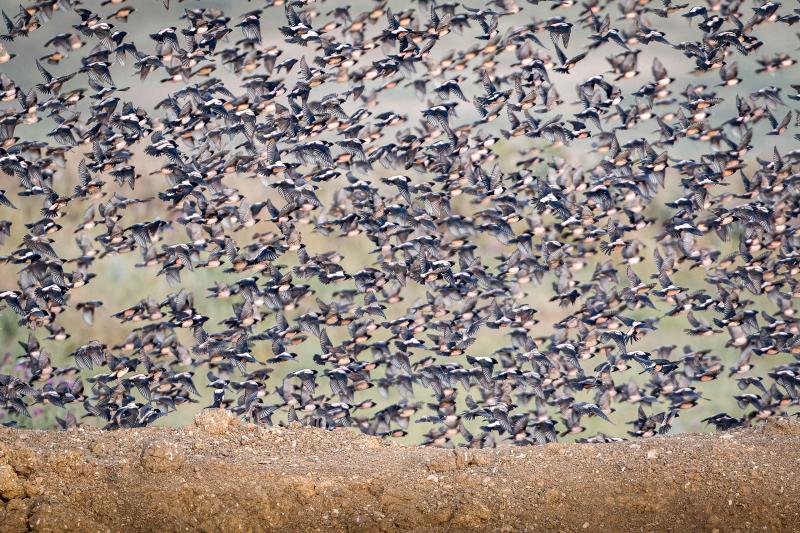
(304, 225)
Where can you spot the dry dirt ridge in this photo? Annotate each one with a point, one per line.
(222, 475)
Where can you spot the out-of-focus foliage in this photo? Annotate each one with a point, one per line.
(464, 225)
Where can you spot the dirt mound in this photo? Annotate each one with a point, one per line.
(221, 474)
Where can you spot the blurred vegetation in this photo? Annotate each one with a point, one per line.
(120, 284)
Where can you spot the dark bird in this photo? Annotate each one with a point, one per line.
(311, 219)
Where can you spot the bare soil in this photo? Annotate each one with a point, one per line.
(222, 475)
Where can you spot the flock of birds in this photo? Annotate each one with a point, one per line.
(456, 252)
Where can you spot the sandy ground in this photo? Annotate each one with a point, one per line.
(221, 475)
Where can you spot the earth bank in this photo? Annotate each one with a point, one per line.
(223, 475)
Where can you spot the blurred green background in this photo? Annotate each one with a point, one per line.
(120, 285)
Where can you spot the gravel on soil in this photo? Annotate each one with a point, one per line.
(220, 474)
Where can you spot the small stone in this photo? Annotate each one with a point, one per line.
(15, 516)
(34, 486)
(479, 459)
(161, 456)
(463, 457)
(442, 463)
(216, 421)
(374, 442)
(99, 447)
(10, 485)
